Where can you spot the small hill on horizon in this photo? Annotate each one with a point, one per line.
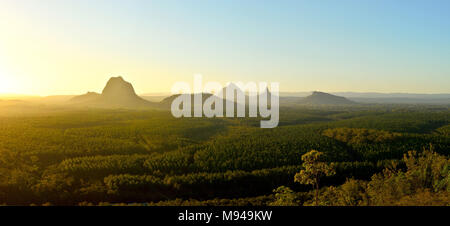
(167, 102)
(89, 96)
(321, 98)
(117, 93)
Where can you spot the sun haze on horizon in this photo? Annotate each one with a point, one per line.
(51, 47)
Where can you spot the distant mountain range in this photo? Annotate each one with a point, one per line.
(392, 95)
(397, 98)
(383, 98)
(321, 98)
(119, 93)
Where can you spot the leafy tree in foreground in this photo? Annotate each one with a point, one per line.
(314, 169)
(284, 196)
(424, 182)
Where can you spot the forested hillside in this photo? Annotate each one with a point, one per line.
(71, 157)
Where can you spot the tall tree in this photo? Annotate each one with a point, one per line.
(314, 169)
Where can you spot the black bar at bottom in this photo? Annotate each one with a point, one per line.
(225, 215)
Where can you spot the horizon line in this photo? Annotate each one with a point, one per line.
(12, 95)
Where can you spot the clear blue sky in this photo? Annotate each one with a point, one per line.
(61, 46)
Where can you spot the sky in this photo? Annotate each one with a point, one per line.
(56, 47)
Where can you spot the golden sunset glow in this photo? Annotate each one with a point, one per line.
(52, 48)
(6, 84)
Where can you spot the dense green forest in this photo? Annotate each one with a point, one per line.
(147, 157)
